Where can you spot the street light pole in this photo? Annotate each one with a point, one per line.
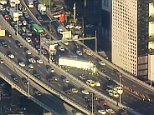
(74, 8)
(92, 104)
(28, 86)
(17, 19)
(95, 41)
(40, 44)
(120, 97)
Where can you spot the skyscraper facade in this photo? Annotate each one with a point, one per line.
(130, 36)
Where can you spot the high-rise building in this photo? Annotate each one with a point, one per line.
(130, 24)
(151, 42)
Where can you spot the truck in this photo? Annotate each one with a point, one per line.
(42, 9)
(13, 3)
(77, 63)
(45, 43)
(113, 86)
(37, 29)
(14, 14)
(3, 2)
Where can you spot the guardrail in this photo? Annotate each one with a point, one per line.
(67, 74)
(24, 92)
(45, 86)
(111, 64)
(70, 76)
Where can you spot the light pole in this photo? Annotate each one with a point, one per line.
(95, 41)
(17, 18)
(92, 104)
(28, 86)
(120, 94)
(40, 44)
(74, 15)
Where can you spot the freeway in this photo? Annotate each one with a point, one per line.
(95, 59)
(41, 69)
(9, 74)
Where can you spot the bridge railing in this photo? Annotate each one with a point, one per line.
(24, 92)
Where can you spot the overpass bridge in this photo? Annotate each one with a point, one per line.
(67, 74)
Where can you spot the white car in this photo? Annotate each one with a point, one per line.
(32, 60)
(86, 92)
(11, 56)
(22, 64)
(79, 52)
(31, 66)
(66, 80)
(103, 112)
(39, 61)
(111, 111)
(28, 39)
(28, 52)
(61, 48)
(98, 84)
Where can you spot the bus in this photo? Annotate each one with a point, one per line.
(37, 29)
(30, 3)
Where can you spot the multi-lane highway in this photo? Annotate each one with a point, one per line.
(108, 70)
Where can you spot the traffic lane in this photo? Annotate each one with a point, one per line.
(133, 98)
(56, 85)
(126, 81)
(18, 52)
(8, 72)
(23, 58)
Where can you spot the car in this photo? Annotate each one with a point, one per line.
(98, 84)
(84, 91)
(21, 63)
(82, 77)
(30, 66)
(101, 109)
(28, 52)
(39, 17)
(110, 111)
(66, 80)
(38, 60)
(14, 77)
(74, 90)
(4, 43)
(91, 83)
(36, 92)
(102, 112)
(61, 48)
(31, 60)
(8, 34)
(10, 55)
(28, 39)
(49, 69)
(18, 44)
(24, 80)
(1, 61)
(79, 52)
(36, 74)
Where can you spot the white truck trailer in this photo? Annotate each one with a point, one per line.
(78, 63)
(42, 9)
(13, 3)
(14, 14)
